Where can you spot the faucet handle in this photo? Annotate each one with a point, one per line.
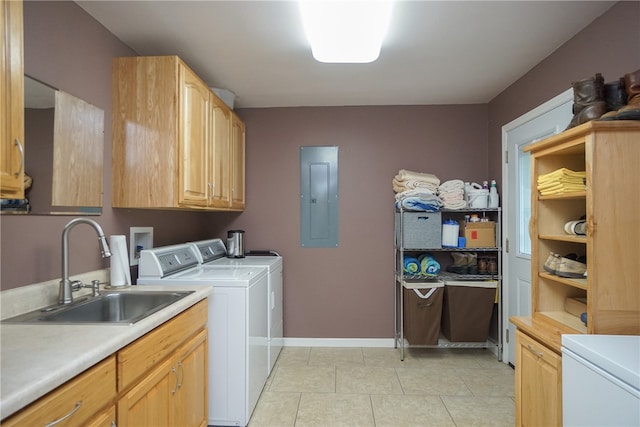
(76, 285)
(95, 286)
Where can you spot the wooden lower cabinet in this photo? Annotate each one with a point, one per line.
(172, 394)
(538, 383)
(80, 401)
(158, 380)
(104, 419)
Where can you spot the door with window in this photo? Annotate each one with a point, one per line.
(548, 119)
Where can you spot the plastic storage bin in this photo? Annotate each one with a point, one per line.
(422, 312)
(467, 310)
(421, 230)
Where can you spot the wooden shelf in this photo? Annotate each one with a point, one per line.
(566, 319)
(563, 238)
(576, 283)
(568, 196)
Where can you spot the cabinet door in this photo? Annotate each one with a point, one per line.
(237, 163)
(191, 397)
(150, 402)
(105, 419)
(11, 102)
(538, 384)
(74, 403)
(221, 173)
(194, 139)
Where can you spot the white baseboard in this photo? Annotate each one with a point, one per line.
(338, 342)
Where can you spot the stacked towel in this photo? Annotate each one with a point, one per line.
(452, 194)
(428, 265)
(411, 265)
(418, 200)
(561, 181)
(408, 180)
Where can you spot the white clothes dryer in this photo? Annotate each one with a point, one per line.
(237, 327)
(213, 253)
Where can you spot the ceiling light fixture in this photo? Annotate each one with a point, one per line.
(345, 31)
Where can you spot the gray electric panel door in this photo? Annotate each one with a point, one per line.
(319, 197)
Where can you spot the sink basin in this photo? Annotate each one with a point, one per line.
(109, 307)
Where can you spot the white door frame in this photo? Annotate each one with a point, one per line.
(548, 106)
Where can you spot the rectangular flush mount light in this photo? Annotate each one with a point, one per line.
(348, 31)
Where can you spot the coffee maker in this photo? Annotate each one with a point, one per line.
(235, 244)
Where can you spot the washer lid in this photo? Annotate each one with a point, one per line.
(617, 354)
(227, 273)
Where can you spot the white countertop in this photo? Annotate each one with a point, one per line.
(35, 358)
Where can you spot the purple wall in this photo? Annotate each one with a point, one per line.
(348, 291)
(610, 46)
(339, 292)
(69, 50)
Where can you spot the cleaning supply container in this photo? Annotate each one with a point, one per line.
(422, 312)
(450, 233)
(479, 198)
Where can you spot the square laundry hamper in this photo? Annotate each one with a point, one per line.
(467, 310)
(422, 312)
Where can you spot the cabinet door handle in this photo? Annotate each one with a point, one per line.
(177, 382)
(534, 351)
(59, 420)
(21, 150)
(181, 375)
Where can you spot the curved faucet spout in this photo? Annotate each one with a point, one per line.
(65, 295)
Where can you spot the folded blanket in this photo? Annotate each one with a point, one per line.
(399, 186)
(411, 265)
(418, 200)
(428, 265)
(405, 175)
(418, 204)
(421, 193)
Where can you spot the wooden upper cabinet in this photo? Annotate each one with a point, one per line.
(11, 101)
(221, 161)
(171, 137)
(194, 139)
(237, 163)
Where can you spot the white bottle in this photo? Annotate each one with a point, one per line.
(494, 199)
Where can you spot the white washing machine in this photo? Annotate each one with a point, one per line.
(212, 254)
(238, 332)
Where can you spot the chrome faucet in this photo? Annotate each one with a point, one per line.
(66, 285)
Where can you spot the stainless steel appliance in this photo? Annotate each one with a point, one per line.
(235, 244)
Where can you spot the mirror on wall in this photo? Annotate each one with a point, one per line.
(64, 145)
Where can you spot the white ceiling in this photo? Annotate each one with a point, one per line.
(436, 52)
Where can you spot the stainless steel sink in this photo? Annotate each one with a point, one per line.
(109, 307)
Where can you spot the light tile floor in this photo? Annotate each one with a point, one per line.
(355, 387)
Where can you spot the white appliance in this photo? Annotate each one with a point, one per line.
(601, 380)
(212, 254)
(238, 332)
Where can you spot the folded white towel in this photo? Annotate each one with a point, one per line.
(455, 204)
(451, 185)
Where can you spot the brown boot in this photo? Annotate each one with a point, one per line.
(588, 100)
(632, 110)
(615, 96)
